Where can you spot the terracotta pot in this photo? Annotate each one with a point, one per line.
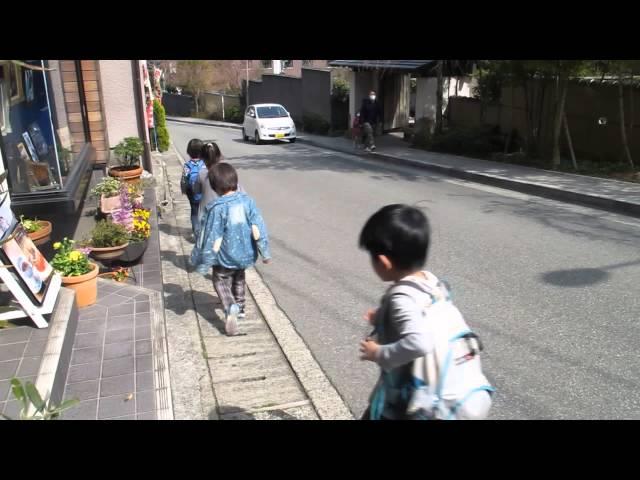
(108, 253)
(129, 176)
(134, 251)
(109, 204)
(85, 286)
(43, 234)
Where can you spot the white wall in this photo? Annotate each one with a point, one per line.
(116, 79)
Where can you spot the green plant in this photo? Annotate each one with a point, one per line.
(108, 186)
(128, 151)
(477, 142)
(68, 261)
(340, 90)
(29, 396)
(314, 123)
(234, 115)
(162, 132)
(30, 225)
(108, 234)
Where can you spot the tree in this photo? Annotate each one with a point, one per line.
(621, 69)
(197, 76)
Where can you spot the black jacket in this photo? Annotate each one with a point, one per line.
(370, 112)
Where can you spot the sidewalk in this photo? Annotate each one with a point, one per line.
(265, 373)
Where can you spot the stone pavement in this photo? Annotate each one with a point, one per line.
(218, 377)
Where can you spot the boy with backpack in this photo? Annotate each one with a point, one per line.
(429, 358)
(232, 235)
(191, 170)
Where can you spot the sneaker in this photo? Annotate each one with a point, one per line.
(231, 320)
(242, 315)
(367, 149)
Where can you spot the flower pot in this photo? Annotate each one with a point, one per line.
(108, 253)
(85, 286)
(109, 204)
(128, 174)
(43, 234)
(134, 251)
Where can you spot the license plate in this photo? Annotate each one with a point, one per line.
(279, 135)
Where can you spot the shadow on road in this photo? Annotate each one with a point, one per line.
(582, 277)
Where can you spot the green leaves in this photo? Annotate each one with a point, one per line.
(129, 151)
(28, 395)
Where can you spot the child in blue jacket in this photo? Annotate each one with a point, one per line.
(231, 236)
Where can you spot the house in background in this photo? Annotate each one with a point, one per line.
(391, 79)
(292, 68)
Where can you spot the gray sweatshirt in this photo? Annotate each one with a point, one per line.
(402, 334)
(203, 186)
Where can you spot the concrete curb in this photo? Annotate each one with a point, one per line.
(205, 123)
(323, 395)
(540, 190)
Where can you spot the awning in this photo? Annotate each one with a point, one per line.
(406, 65)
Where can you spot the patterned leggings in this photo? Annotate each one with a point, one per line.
(229, 285)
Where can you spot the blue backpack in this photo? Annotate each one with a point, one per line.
(189, 177)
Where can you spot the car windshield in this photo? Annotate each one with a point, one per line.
(271, 112)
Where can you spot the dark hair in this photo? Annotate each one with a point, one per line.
(223, 178)
(401, 233)
(194, 148)
(211, 154)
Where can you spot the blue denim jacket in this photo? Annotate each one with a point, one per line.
(227, 232)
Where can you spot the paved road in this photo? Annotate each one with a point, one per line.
(552, 289)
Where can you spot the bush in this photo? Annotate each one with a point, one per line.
(162, 132)
(234, 114)
(314, 123)
(340, 90)
(477, 142)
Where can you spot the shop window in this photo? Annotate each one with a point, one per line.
(37, 143)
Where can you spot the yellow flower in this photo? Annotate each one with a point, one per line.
(57, 245)
(75, 256)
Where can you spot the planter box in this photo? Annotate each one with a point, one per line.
(134, 251)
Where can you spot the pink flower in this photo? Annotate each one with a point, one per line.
(84, 250)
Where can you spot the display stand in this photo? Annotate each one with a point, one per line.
(26, 307)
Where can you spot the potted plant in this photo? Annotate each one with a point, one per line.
(128, 152)
(107, 240)
(39, 231)
(77, 272)
(139, 235)
(136, 222)
(109, 192)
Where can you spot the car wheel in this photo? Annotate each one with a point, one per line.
(244, 136)
(292, 140)
(256, 138)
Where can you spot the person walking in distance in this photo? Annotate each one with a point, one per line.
(370, 115)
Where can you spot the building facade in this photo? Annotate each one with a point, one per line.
(58, 121)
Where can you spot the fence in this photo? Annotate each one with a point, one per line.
(215, 106)
(585, 105)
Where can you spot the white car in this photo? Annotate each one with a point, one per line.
(268, 121)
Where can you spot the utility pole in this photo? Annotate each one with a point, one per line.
(247, 87)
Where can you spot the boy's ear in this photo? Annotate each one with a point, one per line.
(385, 262)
